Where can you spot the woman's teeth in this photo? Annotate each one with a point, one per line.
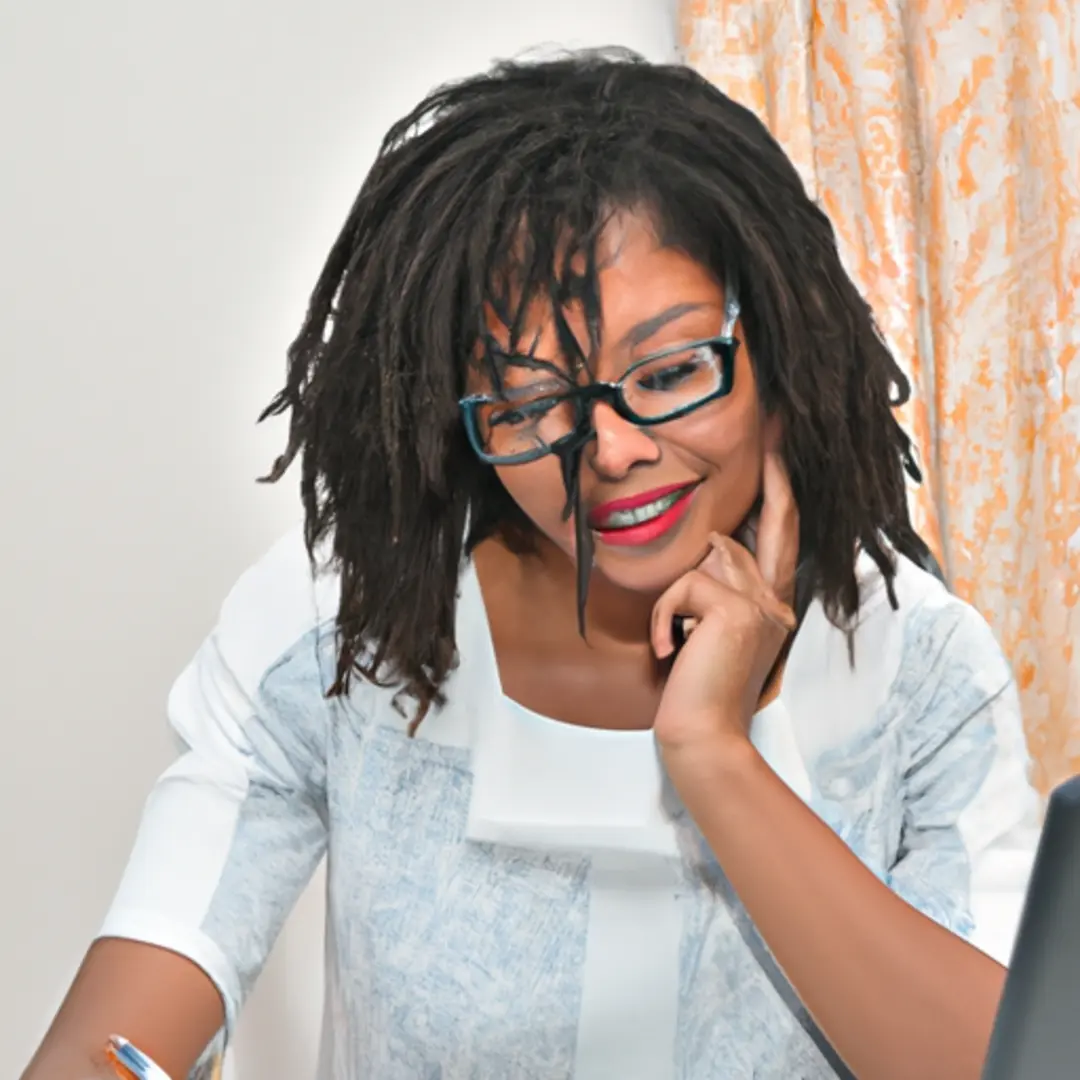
(625, 519)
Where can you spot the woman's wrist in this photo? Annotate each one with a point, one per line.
(708, 763)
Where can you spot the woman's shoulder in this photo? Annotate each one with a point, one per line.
(279, 602)
(255, 689)
(928, 662)
(931, 633)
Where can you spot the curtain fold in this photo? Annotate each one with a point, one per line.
(942, 137)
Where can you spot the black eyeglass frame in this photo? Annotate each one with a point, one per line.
(585, 398)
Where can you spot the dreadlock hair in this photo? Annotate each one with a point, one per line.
(520, 168)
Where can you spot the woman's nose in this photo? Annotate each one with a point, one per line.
(619, 444)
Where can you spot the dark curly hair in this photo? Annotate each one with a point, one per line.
(505, 169)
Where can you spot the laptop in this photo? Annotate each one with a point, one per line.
(1037, 1030)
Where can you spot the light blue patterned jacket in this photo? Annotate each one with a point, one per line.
(511, 898)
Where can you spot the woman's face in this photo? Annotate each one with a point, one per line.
(651, 298)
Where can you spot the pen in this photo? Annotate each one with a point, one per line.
(130, 1062)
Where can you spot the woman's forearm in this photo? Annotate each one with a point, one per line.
(160, 1000)
(896, 994)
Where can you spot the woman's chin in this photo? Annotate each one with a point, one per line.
(648, 568)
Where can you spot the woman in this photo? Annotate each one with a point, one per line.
(640, 743)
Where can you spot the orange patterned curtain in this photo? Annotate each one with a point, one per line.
(943, 139)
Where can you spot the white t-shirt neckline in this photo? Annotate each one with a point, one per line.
(545, 784)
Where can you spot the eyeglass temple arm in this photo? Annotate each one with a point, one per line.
(731, 310)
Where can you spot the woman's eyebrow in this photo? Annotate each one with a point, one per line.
(521, 393)
(504, 359)
(645, 329)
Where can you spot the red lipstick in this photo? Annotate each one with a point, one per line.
(633, 533)
(631, 502)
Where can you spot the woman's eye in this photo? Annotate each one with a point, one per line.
(522, 414)
(507, 417)
(669, 378)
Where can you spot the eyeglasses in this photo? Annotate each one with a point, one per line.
(523, 423)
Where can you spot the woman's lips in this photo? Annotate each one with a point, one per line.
(634, 526)
(621, 512)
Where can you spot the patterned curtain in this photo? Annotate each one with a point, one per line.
(943, 139)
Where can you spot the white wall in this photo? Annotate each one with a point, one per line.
(173, 174)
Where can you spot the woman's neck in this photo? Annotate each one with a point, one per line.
(544, 582)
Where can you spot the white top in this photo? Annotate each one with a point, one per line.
(511, 896)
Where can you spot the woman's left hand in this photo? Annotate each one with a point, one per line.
(741, 606)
